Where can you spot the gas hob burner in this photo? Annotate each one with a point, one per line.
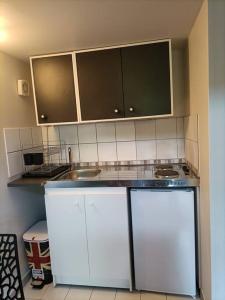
(164, 167)
(165, 173)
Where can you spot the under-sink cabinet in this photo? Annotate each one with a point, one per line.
(89, 236)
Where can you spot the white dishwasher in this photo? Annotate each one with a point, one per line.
(163, 225)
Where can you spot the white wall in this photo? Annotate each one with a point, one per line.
(217, 144)
(19, 207)
(199, 104)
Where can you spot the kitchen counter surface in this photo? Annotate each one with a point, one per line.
(129, 176)
(27, 182)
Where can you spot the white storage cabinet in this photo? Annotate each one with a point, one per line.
(89, 236)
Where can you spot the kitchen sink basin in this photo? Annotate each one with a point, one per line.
(80, 174)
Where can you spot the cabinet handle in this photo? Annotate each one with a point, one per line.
(116, 110)
(43, 116)
(131, 109)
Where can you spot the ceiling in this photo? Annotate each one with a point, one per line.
(32, 27)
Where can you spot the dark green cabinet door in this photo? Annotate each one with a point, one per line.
(146, 80)
(54, 89)
(100, 84)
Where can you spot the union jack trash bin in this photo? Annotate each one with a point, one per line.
(38, 254)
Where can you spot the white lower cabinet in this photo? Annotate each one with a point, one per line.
(89, 236)
(67, 236)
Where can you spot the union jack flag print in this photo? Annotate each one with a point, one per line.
(39, 257)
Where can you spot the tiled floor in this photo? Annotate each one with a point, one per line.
(78, 293)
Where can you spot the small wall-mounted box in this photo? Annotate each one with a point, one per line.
(23, 87)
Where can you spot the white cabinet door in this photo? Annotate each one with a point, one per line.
(67, 237)
(108, 237)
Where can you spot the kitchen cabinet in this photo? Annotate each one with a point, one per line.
(67, 236)
(121, 82)
(100, 84)
(146, 80)
(107, 235)
(54, 90)
(125, 82)
(87, 245)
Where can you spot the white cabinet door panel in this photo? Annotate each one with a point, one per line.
(67, 235)
(108, 238)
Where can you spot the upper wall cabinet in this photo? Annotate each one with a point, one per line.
(100, 84)
(125, 82)
(146, 80)
(121, 82)
(54, 91)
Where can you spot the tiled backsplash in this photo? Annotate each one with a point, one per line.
(162, 139)
(120, 141)
(191, 141)
(16, 141)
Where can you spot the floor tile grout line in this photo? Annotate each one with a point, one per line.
(67, 293)
(115, 294)
(92, 290)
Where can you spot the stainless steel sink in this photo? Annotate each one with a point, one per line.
(80, 174)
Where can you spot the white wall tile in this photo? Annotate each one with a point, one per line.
(107, 152)
(12, 139)
(106, 132)
(180, 128)
(125, 131)
(167, 149)
(68, 134)
(55, 158)
(15, 163)
(88, 152)
(44, 132)
(166, 128)
(53, 135)
(50, 134)
(180, 148)
(192, 153)
(191, 127)
(75, 153)
(146, 150)
(145, 129)
(36, 136)
(87, 133)
(126, 151)
(26, 138)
